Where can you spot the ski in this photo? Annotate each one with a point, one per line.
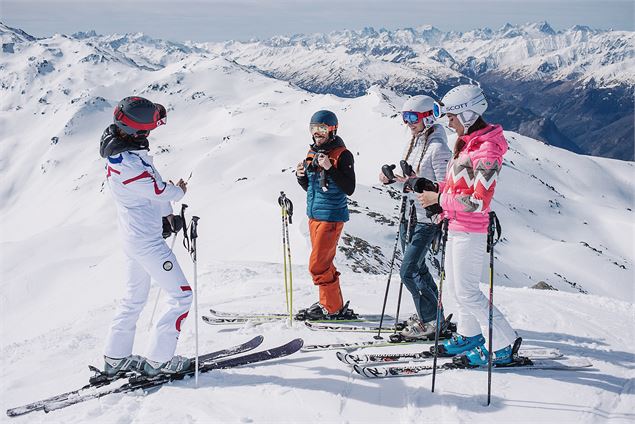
(240, 321)
(318, 326)
(537, 364)
(359, 345)
(382, 358)
(100, 380)
(144, 383)
(280, 316)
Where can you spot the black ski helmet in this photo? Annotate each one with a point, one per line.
(325, 117)
(137, 116)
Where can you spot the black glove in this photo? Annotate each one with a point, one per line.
(433, 210)
(387, 170)
(169, 229)
(421, 184)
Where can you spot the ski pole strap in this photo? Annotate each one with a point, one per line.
(194, 236)
(494, 227)
(444, 231)
(186, 241)
(435, 246)
(286, 203)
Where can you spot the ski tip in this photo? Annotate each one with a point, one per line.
(342, 357)
(296, 344)
(359, 370)
(370, 372)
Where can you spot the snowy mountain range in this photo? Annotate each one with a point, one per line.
(239, 129)
(570, 88)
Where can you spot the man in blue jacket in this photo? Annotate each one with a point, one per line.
(328, 176)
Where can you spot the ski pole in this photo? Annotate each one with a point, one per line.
(444, 241)
(493, 226)
(407, 240)
(402, 209)
(286, 207)
(288, 214)
(193, 237)
(156, 301)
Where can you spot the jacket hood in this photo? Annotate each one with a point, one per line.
(111, 144)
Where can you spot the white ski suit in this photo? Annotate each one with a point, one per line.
(142, 199)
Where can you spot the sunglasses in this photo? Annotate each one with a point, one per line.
(321, 129)
(414, 117)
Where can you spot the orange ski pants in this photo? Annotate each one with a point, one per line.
(324, 238)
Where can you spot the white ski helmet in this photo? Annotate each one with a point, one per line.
(467, 102)
(421, 105)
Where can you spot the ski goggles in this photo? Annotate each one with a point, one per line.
(321, 129)
(411, 117)
(439, 109)
(159, 117)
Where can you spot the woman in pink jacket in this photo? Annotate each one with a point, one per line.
(465, 196)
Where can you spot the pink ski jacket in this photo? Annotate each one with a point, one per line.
(470, 180)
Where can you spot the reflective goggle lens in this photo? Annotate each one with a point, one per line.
(438, 110)
(321, 129)
(414, 117)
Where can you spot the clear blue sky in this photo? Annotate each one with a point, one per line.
(217, 20)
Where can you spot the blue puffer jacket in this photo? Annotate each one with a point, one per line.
(329, 205)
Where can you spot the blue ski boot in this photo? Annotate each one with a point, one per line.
(459, 344)
(478, 357)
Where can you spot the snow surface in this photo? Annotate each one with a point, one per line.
(567, 220)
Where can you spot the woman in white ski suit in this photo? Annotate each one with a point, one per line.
(142, 199)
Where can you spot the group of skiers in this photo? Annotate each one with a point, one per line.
(457, 186)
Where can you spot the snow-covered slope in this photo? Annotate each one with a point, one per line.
(567, 220)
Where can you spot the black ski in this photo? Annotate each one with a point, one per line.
(143, 383)
(100, 380)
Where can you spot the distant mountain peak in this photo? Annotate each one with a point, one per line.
(15, 33)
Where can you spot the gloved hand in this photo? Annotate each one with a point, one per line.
(171, 224)
(421, 184)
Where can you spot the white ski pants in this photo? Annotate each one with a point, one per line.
(466, 263)
(159, 264)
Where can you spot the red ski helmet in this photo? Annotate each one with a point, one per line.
(137, 116)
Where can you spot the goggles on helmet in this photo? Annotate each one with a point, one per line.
(321, 129)
(140, 129)
(439, 109)
(411, 117)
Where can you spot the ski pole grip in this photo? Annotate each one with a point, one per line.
(406, 168)
(387, 170)
(193, 228)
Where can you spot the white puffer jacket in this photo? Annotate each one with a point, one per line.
(433, 164)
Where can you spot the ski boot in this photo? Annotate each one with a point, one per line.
(118, 366)
(459, 344)
(505, 357)
(479, 357)
(115, 368)
(317, 312)
(410, 321)
(417, 330)
(176, 365)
